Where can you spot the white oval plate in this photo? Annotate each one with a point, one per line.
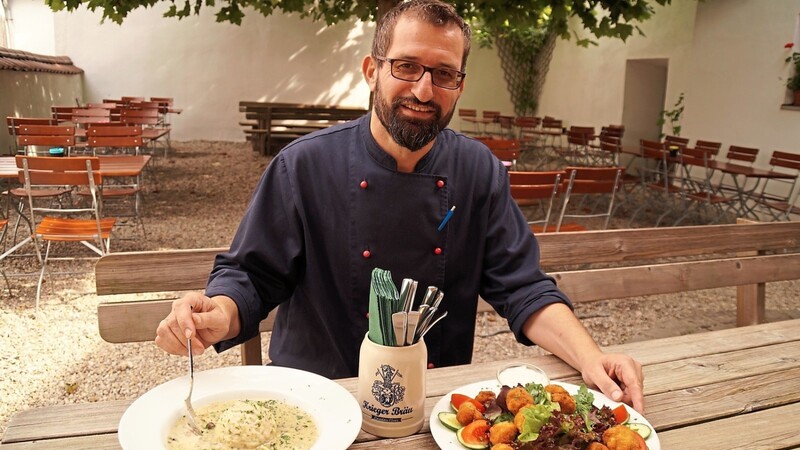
(447, 440)
(145, 423)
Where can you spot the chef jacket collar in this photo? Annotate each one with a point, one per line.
(386, 160)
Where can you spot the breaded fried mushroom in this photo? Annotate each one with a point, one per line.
(596, 446)
(517, 398)
(560, 395)
(467, 413)
(502, 447)
(502, 433)
(620, 437)
(485, 396)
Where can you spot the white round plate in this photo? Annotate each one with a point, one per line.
(145, 423)
(447, 440)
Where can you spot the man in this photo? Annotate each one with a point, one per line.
(334, 205)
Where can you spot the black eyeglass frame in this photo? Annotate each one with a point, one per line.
(461, 75)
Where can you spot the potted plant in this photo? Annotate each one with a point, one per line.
(793, 83)
(674, 118)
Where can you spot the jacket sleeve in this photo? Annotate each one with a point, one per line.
(266, 256)
(512, 280)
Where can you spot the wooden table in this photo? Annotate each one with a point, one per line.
(288, 121)
(732, 389)
(110, 166)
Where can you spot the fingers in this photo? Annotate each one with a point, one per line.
(629, 376)
(611, 389)
(621, 378)
(168, 337)
(182, 310)
(172, 332)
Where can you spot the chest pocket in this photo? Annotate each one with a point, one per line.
(395, 227)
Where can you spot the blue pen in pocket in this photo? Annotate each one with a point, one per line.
(446, 218)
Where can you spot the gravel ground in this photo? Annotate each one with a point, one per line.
(195, 199)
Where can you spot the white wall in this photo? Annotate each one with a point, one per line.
(727, 56)
(738, 75)
(586, 86)
(30, 29)
(208, 67)
(30, 94)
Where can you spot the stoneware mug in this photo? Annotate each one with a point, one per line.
(391, 388)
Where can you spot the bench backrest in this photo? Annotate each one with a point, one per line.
(182, 270)
(726, 255)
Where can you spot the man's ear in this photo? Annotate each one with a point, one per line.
(370, 70)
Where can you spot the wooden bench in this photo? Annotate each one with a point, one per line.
(270, 125)
(588, 265)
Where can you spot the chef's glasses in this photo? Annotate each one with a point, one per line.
(411, 71)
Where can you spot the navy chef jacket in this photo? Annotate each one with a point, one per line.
(332, 206)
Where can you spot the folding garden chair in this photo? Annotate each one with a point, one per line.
(147, 115)
(778, 196)
(596, 183)
(506, 150)
(73, 224)
(537, 189)
(114, 138)
(119, 142)
(694, 178)
(470, 117)
(13, 124)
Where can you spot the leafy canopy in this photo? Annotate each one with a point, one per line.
(494, 18)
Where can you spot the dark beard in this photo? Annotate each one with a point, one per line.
(412, 134)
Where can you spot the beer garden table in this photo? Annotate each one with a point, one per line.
(737, 388)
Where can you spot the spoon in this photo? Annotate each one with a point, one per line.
(191, 417)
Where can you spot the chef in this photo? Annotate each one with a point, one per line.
(336, 204)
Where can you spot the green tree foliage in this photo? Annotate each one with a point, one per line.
(520, 27)
(602, 18)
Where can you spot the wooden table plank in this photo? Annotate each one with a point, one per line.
(718, 400)
(774, 428)
(415, 442)
(95, 442)
(63, 420)
(700, 344)
(701, 371)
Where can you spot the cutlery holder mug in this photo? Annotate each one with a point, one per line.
(391, 388)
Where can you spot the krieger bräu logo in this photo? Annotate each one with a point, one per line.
(387, 392)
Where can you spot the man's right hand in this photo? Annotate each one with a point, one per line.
(206, 320)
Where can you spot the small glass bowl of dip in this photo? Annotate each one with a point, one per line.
(521, 373)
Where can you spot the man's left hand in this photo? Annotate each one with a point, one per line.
(618, 376)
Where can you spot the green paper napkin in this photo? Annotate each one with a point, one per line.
(384, 300)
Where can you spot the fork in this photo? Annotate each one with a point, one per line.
(191, 417)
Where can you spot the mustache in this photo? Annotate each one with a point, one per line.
(413, 101)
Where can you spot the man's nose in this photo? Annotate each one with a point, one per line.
(423, 89)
